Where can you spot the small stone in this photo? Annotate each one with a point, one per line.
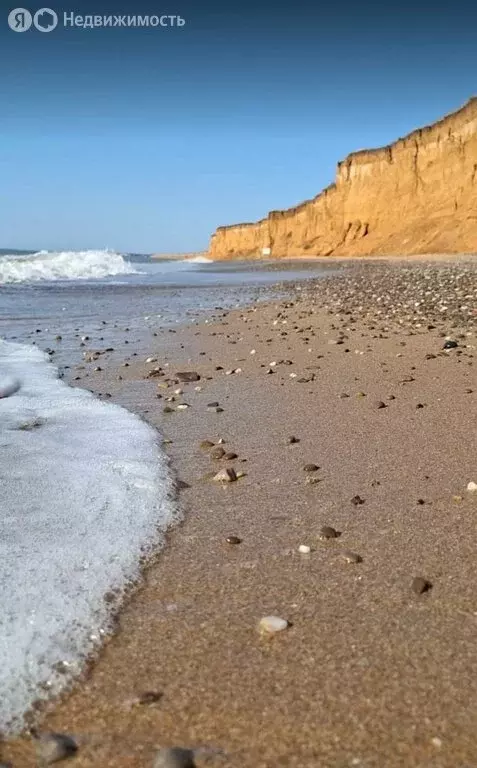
(217, 453)
(206, 445)
(182, 407)
(292, 440)
(450, 344)
(233, 540)
(361, 394)
(215, 409)
(212, 405)
(168, 409)
(472, 487)
(344, 395)
(272, 624)
(311, 468)
(150, 697)
(352, 558)
(187, 376)
(327, 532)
(380, 404)
(230, 456)
(357, 501)
(420, 585)
(54, 747)
(457, 498)
(174, 757)
(304, 549)
(226, 475)
(151, 360)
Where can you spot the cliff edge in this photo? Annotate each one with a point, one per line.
(417, 195)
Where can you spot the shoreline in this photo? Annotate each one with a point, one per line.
(366, 674)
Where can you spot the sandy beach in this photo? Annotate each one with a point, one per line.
(374, 669)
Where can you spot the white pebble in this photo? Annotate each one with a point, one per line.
(151, 360)
(271, 624)
(304, 549)
(253, 351)
(472, 486)
(182, 407)
(178, 391)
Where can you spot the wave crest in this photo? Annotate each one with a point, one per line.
(62, 265)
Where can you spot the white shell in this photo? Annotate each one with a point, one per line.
(272, 624)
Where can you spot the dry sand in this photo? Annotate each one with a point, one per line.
(369, 673)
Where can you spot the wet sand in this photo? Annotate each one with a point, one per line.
(368, 673)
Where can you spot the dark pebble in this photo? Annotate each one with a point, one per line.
(150, 697)
(233, 540)
(188, 376)
(450, 344)
(327, 532)
(292, 440)
(357, 501)
(174, 757)
(230, 456)
(420, 585)
(380, 404)
(311, 468)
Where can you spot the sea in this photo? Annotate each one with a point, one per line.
(86, 490)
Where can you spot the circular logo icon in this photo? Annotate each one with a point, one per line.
(45, 20)
(19, 20)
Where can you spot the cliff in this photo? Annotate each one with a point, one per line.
(417, 195)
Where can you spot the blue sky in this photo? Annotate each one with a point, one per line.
(146, 140)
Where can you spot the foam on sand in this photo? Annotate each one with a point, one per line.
(86, 491)
(62, 265)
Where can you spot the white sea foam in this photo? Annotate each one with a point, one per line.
(62, 265)
(198, 260)
(85, 492)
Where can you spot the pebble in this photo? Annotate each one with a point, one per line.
(174, 757)
(150, 697)
(357, 501)
(151, 360)
(311, 468)
(450, 344)
(472, 487)
(327, 532)
(272, 624)
(226, 475)
(215, 409)
(420, 585)
(182, 406)
(352, 557)
(380, 404)
(188, 376)
(217, 453)
(233, 540)
(205, 445)
(54, 747)
(292, 440)
(304, 549)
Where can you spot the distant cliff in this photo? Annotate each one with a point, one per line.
(418, 195)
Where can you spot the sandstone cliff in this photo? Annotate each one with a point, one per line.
(418, 195)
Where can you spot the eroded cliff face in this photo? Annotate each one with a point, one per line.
(418, 195)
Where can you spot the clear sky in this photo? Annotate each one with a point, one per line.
(147, 139)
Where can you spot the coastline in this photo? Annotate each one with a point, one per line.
(367, 674)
